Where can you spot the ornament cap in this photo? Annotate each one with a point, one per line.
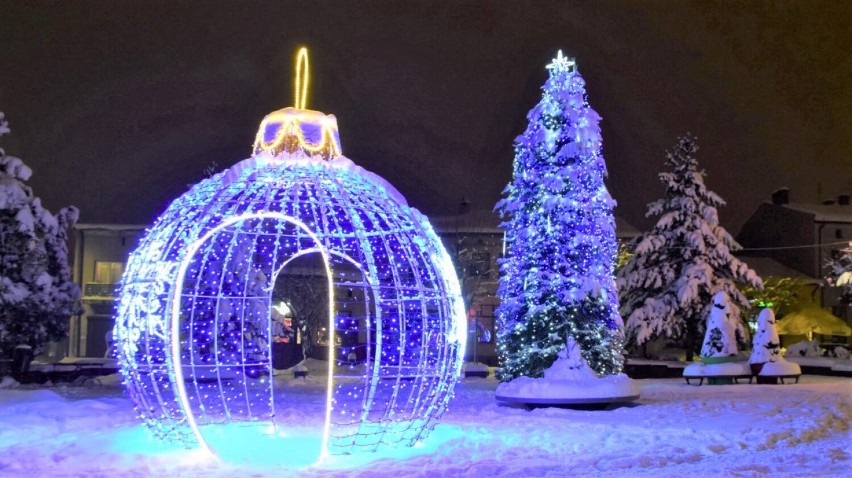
(291, 129)
(297, 128)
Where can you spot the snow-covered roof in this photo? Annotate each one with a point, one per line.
(110, 227)
(481, 221)
(768, 267)
(825, 212)
(624, 229)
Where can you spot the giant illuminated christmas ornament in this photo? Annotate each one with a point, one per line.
(197, 329)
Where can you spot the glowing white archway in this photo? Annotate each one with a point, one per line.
(177, 366)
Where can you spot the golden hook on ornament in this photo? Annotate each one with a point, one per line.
(303, 79)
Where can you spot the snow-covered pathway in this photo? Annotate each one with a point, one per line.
(673, 430)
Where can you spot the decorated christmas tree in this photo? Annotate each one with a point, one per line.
(37, 296)
(667, 285)
(557, 277)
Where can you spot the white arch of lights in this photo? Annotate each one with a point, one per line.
(177, 366)
(348, 214)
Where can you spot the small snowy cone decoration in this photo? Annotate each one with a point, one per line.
(765, 346)
(719, 352)
(569, 380)
(720, 344)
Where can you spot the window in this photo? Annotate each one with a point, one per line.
(480, 264)
(108, 272)
(481, 323)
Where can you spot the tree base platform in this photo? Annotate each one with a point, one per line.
(565, 401)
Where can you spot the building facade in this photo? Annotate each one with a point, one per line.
(803, 237)
(100, 252)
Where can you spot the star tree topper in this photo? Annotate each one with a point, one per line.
(562, 63)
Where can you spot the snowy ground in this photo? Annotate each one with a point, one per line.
(673, 430)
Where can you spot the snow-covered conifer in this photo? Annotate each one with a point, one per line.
(766, 346)
(840, 273)
(557, 278)
(37, 295)
(666, 287)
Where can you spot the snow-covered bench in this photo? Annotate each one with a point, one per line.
(75, 370)
(475, 369)
(718, 372)
(780, 370)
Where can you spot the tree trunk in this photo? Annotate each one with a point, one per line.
(690, 341)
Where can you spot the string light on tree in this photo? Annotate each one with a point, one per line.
(193, 327)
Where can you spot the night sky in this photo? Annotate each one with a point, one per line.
(118, 106)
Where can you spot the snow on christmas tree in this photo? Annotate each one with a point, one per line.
(666, 287)
(719, 338)
(766, 346)
(569, 380)
(37, 296)
(557, 278)
(840, 273)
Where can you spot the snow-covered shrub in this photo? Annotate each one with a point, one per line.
(719, 339)
(766, 346)
(37, 296)
(840, 273)
(805, 348)
(841, 353)
(667, 285)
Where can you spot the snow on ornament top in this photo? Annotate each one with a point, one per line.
(369, 281)
(297, 128)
